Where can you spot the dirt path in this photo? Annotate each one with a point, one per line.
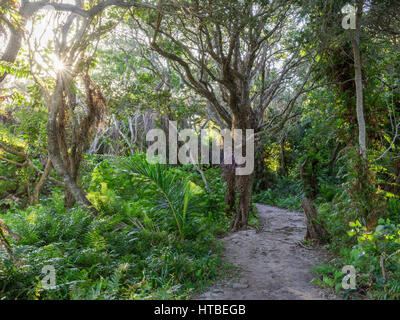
(271, 262)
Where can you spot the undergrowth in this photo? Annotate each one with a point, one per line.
(133, 249)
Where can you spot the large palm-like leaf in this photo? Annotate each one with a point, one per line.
(173, 193)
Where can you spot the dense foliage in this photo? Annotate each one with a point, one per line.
(131, 250)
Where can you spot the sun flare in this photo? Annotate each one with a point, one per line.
(59, 65)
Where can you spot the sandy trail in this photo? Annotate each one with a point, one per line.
(272, 265)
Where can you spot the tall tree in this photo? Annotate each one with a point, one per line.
(227, 52)
(359, 81)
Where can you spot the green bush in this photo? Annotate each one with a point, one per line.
(375, 254)
(131, 250)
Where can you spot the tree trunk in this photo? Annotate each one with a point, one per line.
(244, 183)
(283, 166)
(39, 186)
(230, 192)
(245, 188)
(54, 148)
(358, 82)
(309, 178)
(315, 231)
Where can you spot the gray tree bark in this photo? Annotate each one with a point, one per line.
(54, 148)
(358, 81)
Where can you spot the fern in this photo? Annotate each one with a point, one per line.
(172, 193)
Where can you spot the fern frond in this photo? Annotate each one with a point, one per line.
(174, 193)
